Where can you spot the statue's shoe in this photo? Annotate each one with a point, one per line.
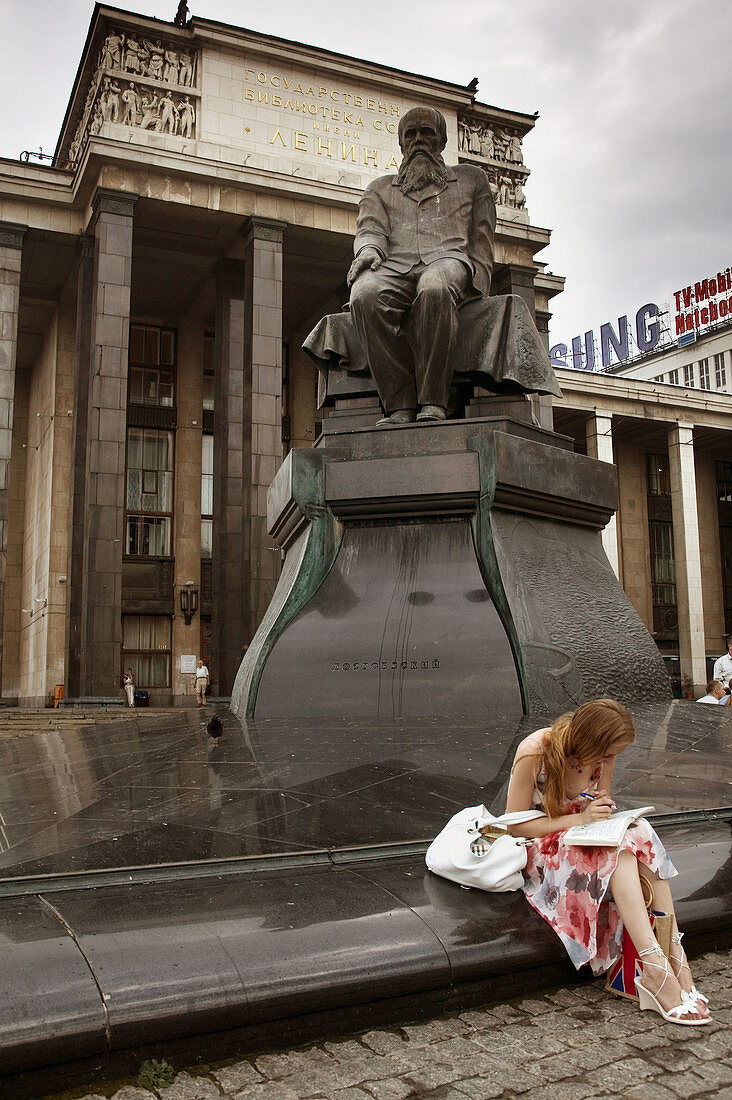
(432, 412)
(401, 416)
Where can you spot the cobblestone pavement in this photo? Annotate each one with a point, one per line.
(565, 1044)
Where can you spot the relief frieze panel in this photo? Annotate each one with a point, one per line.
(497, 149)
(142, 83)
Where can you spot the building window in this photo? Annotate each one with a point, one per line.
(689, 374)
(149, 492)
(207, 442)
(663, 564)
(208, 371)
(704, 374)
(152, 366)
(657, 475)
(661, 546)
(720, 371)
(673, 377)
(724, 482)
(146, 649)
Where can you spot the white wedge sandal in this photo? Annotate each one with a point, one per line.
(692, 995)
(647, 1000)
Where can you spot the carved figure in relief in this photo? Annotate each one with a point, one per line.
(185, 76)
(505, 190)
(493, 186)
(130, 106)
(155, 60)
(500, 142)
(187, 117)
(150, 120)
(111, 100)
(97, 119)
(168, 114)
(486, 142)
(474, 138)
(170, 72)
(133, 50)
(424, 245)
(519, 197)
(463, 137)
(112, 51)
(513, 152)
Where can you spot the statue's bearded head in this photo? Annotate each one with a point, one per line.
(422, 137)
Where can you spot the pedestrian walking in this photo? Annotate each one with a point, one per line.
(202, 682)
(129, 685)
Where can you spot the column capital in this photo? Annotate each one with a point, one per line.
(106, 201)
(263, 229)
(85, 247)
(11, 234)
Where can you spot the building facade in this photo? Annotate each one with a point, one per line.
(156, 283)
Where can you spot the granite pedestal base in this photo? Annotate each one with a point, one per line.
(450, 568)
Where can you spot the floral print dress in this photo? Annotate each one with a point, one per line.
(568, 884)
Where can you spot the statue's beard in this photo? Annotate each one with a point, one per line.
(421, 169)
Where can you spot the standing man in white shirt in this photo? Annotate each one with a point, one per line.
(723, 666)
(201, 683)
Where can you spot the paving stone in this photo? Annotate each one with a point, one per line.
(620, 1075)
(674, 1059)
(647, 1040)
(235, 1077)
(565, 1090)
(483, 1088)
(395, 1089)
(351, 1094)
(684, 1084)
(130, 1092)
(383, 1042)
(268, 1090)
(479, 1018)
(431, 1076)
(650, 1090)
(443, 1028)
(713, 1074)
(277, 1066)
(717, 1045)
(343, 1049)
(185, 1087)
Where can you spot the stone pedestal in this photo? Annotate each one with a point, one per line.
(444, 569)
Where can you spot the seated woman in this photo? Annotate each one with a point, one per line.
(588, 894)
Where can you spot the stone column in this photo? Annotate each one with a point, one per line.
(106, 421)
(263, 239)
(599, 431)
(11, 244)
(247, 441)
(75, 569)
(187, 550)
(692, 648)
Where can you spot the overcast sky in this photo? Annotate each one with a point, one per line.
(630, 161)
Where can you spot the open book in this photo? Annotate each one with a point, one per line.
(610, 832)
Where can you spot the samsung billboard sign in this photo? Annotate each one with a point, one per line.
(647, 333)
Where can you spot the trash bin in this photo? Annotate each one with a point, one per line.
(142, 698)
(58, 694)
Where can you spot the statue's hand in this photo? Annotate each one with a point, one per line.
(367, 258)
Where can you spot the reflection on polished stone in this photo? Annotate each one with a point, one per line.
(160, 790)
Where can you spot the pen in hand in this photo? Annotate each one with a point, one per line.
(591, 797)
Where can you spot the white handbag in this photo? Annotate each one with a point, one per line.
(462, 854)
